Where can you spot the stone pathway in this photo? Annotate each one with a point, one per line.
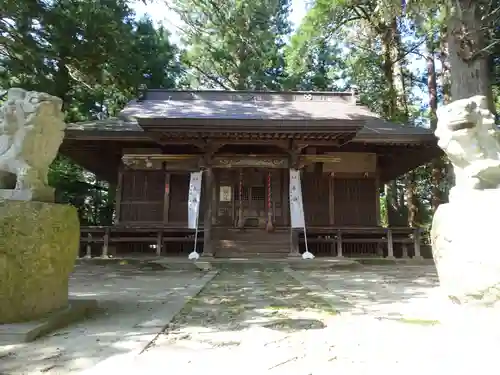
(392, 292)
(130, 299)
(261, 319)
(255, 317)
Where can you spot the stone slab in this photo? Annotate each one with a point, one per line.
(156, 324)
(40, 195)
(163, 317)
(203, 265)
(78, 309)
(323, 263)
(329, 298)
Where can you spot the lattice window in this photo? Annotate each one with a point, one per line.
(245, 193)
(258, 193)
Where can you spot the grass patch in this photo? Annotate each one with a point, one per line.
(376, 261)
(277, 307)
(288, 293)
(239, 294)
(326, 266)
(422, 322)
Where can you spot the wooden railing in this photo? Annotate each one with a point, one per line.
(157, 237)
(394, 242)
(401, 242)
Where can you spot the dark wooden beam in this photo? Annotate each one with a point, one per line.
(207, 220)
(119, 191)
(398, 163)
(166, 196)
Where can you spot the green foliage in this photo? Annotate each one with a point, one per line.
(234, 44)
(313, 64)
(94, 55)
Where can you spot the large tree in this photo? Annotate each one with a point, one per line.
(471, 30)
(93, 54)
(234, 44)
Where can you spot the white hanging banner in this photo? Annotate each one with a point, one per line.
(194, 199)
(296, 206)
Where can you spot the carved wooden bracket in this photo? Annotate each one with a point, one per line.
(250, 161)
(295, 154)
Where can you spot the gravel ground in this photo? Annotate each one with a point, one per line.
(258, 318)
(127, 295)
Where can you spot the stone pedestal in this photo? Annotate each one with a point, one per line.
(466, 249)
(45, 194)
(39, 244)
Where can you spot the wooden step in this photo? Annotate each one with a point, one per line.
(232, 254)
(265, 246)
(251, 243)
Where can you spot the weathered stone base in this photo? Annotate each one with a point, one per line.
(39, 195)
(203, 265)
(466, 250)
(38, 247)
(15, 333)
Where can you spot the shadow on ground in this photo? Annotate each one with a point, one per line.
(244, 303)
(396, 291)
(128, 295)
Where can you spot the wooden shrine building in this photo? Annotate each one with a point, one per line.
(246, 142)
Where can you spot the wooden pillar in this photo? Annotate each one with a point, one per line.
(390, 245)
(377, 199)
(88, 248)
(285, 201)
(331, 200)
(294, 243)
(118, 196)
(166, 198)
(159, 242)
(214, 193)
(241, 221)
(207, 220)
(105, 245)
(340, 252)
(416, 239)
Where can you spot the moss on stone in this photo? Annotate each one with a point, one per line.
(38, 247)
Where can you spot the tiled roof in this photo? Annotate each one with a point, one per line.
(226, 106)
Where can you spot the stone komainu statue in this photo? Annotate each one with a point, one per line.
(464, 232)
(31, 131)
(468, 135)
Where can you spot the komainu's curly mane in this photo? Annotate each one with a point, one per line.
(31, 131)
(467, 133)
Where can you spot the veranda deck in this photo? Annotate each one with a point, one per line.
(331, 241)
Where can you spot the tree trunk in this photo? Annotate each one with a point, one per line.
(448, 175)
(391, 193)
(445, 67)
(411, 199)
(468, 61)
(391, 47)
(437, 163)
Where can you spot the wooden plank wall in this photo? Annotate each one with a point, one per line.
(316, 198)
(142, 196)
(327, 200)
(179, 193)
(355, 201)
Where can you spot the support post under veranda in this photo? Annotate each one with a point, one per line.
(269, 224)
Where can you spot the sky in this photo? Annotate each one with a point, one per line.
(160, 13)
